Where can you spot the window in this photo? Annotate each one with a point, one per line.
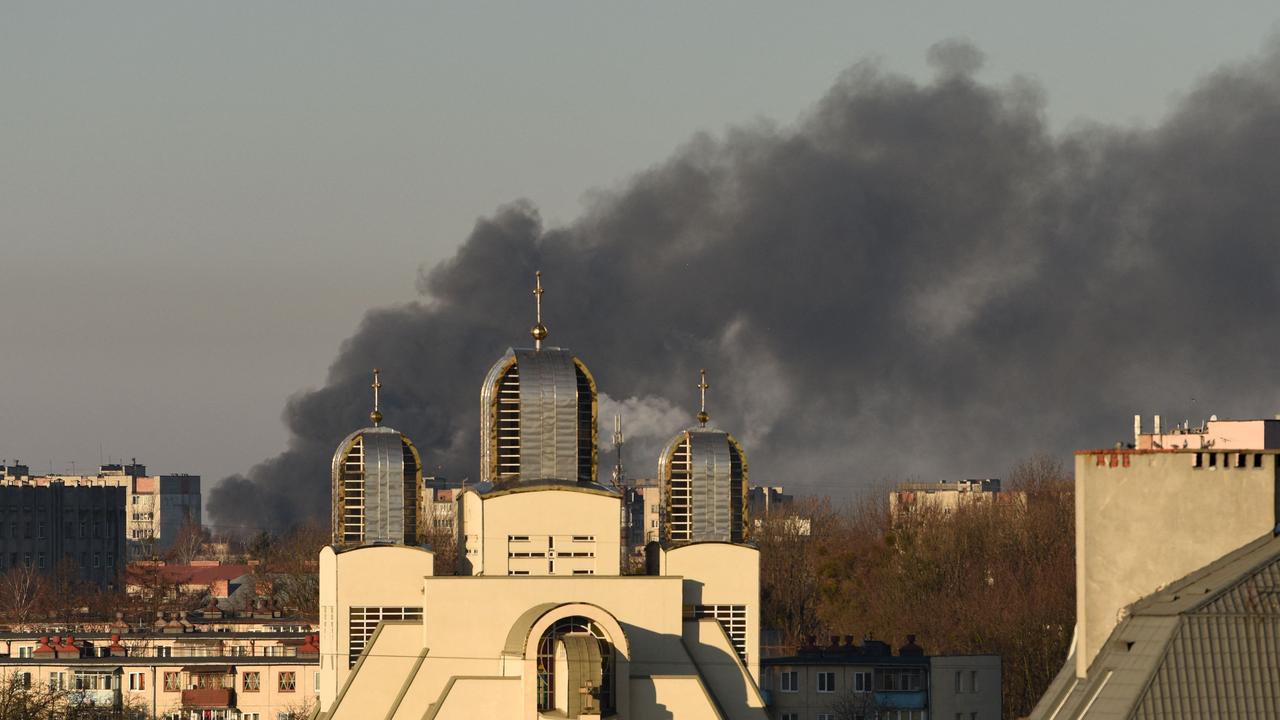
(172, 682)
(315, 683)
(826, 682)
(252, 681)
(43, 529)
(24, 652)
(93, 680)
(288, 681)
(862, 682)
(898, 680)
(57, 681)
(40, 560)
(111, 559)
(364, 620)
(789, 681)
(164, 651)
(958, 688)
(973, 681)
(97, 560)
(733, 618)
(25, 679)
(137, 681)
(825, 716)
(790, 716)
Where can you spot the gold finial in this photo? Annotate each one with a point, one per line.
(703, 387)
(376, 415)
(538, 331)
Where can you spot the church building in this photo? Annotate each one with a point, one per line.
(541, 622)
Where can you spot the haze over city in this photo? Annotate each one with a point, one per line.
(988, 231)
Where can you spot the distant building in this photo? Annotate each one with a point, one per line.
(944, 496)
(869, 682)
(156, 506)
(45, 525)
(762, 500)
(642, 515)
(1178, 571)
(199, 578)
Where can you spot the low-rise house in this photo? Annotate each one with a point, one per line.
(200, 578)
(869, 682)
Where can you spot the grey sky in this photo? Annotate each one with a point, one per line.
(198, 201)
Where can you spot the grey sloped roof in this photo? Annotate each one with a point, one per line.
(1206, 646)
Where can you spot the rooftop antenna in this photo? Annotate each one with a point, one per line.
(703, 387)
(376, 415)
(538, 331)
(618, 475)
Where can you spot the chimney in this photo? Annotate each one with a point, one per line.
(1137, 429)
(1157, 431)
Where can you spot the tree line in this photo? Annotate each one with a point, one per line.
(982, 578)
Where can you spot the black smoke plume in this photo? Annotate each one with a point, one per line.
(913, 280)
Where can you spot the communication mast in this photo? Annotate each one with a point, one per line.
(619, 477)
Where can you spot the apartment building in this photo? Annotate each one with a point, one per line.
(54, 526)
(867, 681)
(156, 506)
(173, 675)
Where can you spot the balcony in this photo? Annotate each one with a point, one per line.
(209, 698)
(902, 699)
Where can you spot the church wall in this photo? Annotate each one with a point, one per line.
(380, 575)
(546, 532)
(718, 574)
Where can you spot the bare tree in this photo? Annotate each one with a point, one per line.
(789, 573)
(290, 568)
(188, 543)
(443, 541)
(22, 591)
(985, 577)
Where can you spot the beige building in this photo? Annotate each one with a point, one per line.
(173, 675)
(943, 496)
(868, 681)
(156, 506)
(541, 622)
(1176, 558)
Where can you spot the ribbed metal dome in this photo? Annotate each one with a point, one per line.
(377, 488)
(538, 418)
(703, 472)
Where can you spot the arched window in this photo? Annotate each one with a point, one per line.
(551, 652)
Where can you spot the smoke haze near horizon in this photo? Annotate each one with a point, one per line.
(915, 280)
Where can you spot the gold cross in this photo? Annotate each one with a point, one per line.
(703, 387)
(376, 415)
(538, 331)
